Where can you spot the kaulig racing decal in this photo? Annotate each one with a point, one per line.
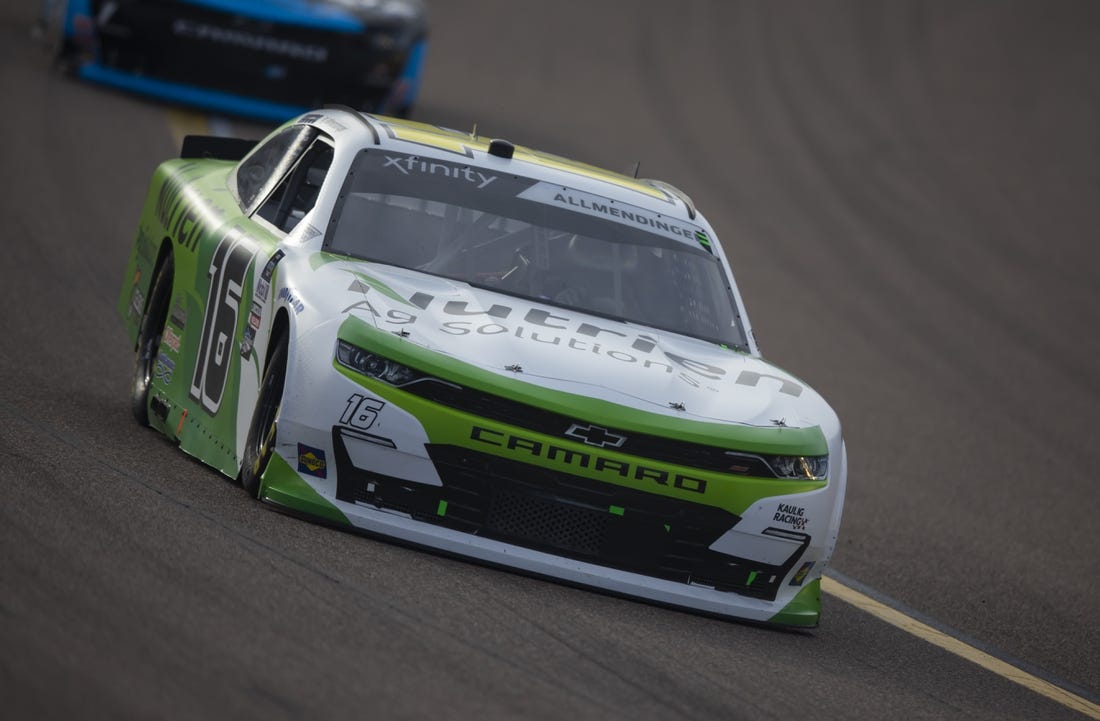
(791, 515)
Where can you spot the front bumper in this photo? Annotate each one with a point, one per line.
(797, 607)
(546, 522)
(479, 471)
(566, 515)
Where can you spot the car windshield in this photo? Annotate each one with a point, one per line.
(535, 240)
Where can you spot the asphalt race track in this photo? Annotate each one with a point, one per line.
(910, 194)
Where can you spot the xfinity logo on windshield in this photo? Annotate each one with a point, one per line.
(410, 164)
(595, 436)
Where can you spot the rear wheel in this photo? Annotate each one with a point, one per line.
(261, 432)
(149, 334)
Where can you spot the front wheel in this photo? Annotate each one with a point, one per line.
(152, 327)
(261, 432)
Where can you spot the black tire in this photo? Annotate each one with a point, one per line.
(261, 431)
(152, 327)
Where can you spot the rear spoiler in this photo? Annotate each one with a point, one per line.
(213, 147)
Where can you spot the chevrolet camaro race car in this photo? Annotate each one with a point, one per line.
(268, 59)
(485, 350)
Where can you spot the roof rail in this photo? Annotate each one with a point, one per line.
(358, 116)
(673, 190)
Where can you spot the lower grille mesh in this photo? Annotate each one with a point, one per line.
(544, 522)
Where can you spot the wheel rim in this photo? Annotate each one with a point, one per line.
(265, 421)
(265, 440)
(148, 350)
(150, 333)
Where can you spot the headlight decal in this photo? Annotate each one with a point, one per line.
(374, 365)
(801, 467)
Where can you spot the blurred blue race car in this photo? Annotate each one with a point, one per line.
(266, 59)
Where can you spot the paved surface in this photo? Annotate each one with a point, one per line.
(910, 194)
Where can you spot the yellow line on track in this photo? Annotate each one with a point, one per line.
(957, 647)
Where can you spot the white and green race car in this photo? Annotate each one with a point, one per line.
(485, 350)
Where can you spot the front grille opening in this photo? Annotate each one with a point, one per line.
(547, 523)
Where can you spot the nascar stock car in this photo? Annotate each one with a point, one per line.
(270, 59)
(485, 350)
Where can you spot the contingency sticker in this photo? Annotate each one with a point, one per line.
(791, 515)
(311, 461)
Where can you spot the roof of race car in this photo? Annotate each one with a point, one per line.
(386, 130)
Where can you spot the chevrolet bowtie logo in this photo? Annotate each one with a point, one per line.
(595, 436)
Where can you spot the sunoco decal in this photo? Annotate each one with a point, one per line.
(311, 461)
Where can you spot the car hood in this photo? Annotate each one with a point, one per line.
(570, 351)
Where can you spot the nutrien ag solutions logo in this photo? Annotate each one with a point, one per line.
(538, 325)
